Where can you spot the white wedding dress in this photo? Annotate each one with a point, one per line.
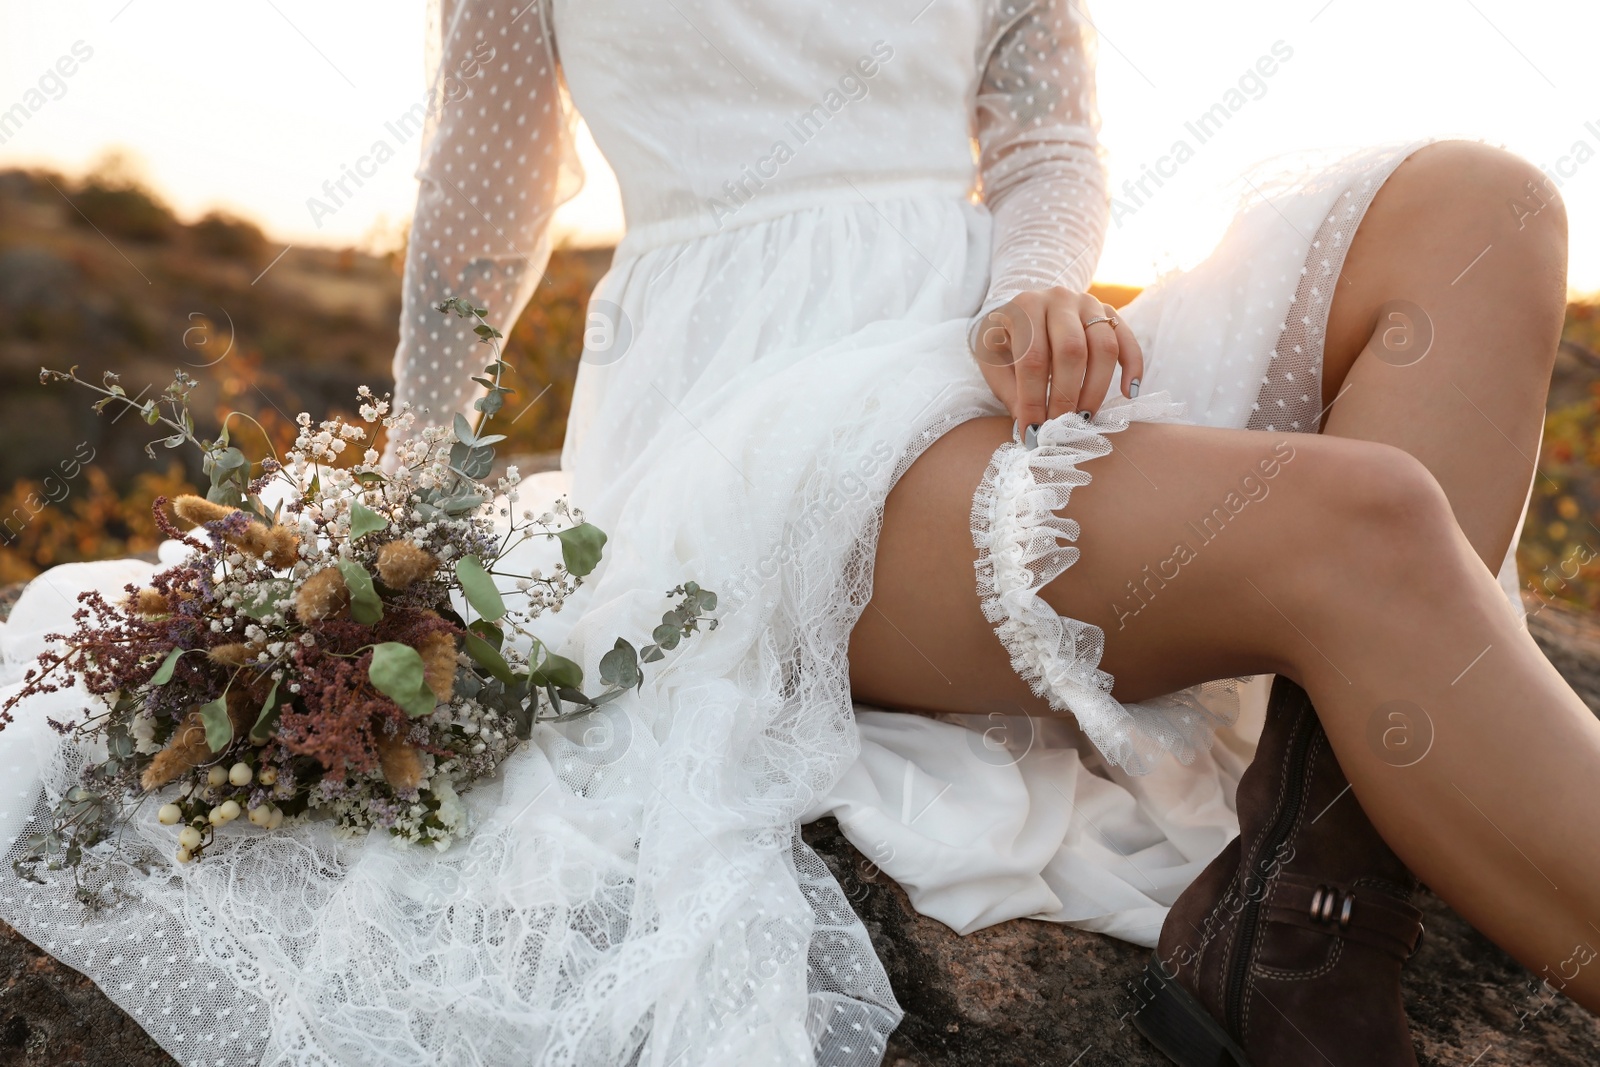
(781, 334)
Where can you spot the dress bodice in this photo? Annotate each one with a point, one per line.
(717, 114)
(710, 111)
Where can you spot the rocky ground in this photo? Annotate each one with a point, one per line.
(1021, 993)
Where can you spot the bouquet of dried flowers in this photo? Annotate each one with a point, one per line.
(346, 654)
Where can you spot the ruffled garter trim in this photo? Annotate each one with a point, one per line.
(1024, 541)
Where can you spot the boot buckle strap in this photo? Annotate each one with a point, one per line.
(1371, 916)
(1325, 899)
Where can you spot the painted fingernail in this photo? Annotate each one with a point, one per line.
(1030, 438)
(1084, 414)
(1133, 388)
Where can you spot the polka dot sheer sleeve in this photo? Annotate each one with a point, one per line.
(497, 159)
(1039, 157)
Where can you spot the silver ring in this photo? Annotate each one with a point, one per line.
(1112, 319)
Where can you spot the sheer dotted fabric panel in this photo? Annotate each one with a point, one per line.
(1291, 389)
(1037, 127)
(497, 160)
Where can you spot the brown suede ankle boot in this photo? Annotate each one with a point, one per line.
(1287, 949)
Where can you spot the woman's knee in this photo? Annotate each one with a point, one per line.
(1469, 177)
(1380, 514)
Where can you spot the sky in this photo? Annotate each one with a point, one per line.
(251, 105)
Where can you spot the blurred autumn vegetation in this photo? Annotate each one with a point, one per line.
(99, 272)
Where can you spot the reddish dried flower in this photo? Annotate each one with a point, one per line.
(338, 718)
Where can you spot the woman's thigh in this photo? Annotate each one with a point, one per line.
(1199, 547)
(1445, 323)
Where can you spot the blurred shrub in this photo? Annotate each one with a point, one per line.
(226, 237)
(125, 211)
(93, 521)
(543, 350)
(1559, 554)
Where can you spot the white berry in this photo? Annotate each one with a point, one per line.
(268, 775)
(170, 815)
(217, 776)
(189, 837)
(240, 774)
(224, 813)
(184, 855)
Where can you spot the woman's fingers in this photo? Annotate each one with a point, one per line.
(1031, 354)
(1131, 357)
(1052, 352)
(1069, 354)
(1104, 349)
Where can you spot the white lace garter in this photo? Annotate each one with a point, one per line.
(1023, 538)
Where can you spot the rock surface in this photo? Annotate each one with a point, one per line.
(1021, 993)
(1028, 993)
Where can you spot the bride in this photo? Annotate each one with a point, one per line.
(844, 372)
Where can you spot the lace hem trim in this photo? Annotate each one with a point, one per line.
(1024, 542)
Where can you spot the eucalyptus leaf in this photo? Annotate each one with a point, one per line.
(522, 716)
(489, 632)
(458, 505)
(489, 658)
(581, 546)
(219, 728)
(556, 670)
(463, 430)
(119, 742)
(267, 722)
(365, 605)
(620, 666)
(474, 461)
(667, 636)
(397, 672)
(479, 588)
(226, 495)
(163, 673)
(363, 520)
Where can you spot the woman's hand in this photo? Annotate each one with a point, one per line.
(1053, 351)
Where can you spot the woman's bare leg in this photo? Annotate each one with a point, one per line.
(1357, 575)
(1444, 327)
(1351, 576)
